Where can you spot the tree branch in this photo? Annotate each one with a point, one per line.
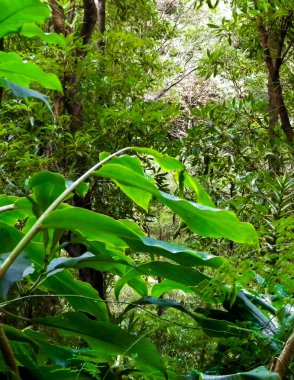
(177, 81)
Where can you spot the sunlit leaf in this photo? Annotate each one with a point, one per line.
(167, 163)
(32, 30)
(14, 70)
(17, 12)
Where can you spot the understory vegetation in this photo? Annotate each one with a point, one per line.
(147, 191)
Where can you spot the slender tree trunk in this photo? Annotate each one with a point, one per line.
(283, 113)
(70, 80)
(74, 108)
(273, 44)
(277, 108)
(101, 22)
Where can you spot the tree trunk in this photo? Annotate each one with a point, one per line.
(277, 108)
(75, 110)
(101, 22)
(272, 42)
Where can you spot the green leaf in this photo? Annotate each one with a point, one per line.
(24, 354)
(23, 92)
(203, 220)
(59, 355)
(80, 295)
(13, 69)
(165, 162)
(18, 270)
(22, 266)
(15, 334)
(167, 285)
(31, 30)
(93, 226)
(185, 275)
(139, 285)
(139, 196)
(202, 197)
(107, 339)
(102, 263)
(211, 222)
(46, 188)
(10, 216)
(212, 327)
(17, 12)
(81, 190)
(98, 227)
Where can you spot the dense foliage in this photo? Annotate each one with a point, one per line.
(146, 266)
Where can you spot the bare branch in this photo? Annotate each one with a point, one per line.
(177, 81)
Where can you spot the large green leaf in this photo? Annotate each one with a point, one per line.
(203, 220)
(107, 339)
(13, 69)
(24, 353)
(17, 12)
(168, 285)
(180, 255)
(167, 163)
(184, 275)
(212, 327)
(139, 196)
(211, 222)
(46, 188)
(9, 216)
(80, 295)
(32, 30)
(102, 263)
(201, 195)
(98, 227)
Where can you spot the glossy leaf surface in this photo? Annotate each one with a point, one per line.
(15, 13)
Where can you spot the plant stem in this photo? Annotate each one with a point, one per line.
(282, 363)
(7, 353)
(7, 208)
(37, 226)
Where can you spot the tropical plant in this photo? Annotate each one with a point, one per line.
(43, 219)
(55, 325)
